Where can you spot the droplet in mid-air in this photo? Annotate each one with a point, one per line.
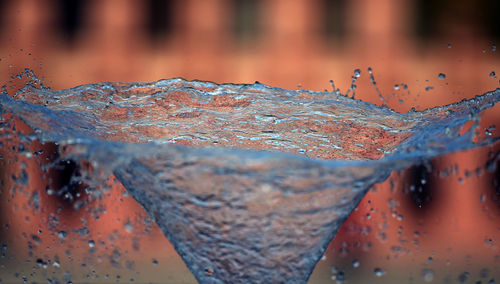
(378, 272)
(428, 275)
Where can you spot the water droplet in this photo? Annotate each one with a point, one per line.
(428, 275)
(492, 281)
(370, 70)
(378, 272)
(4, 250)
(333, 86)
(482, 198)
(441, 75)
(91, 243)
(41, 263)
(62, 234)
(396, 87)
(355, 264)
(492, 74)
(449, 45)
(493, 48)
(128, 227)
(428, 88)
(430, 259)
(340, 277)
(56, 264)
(357, 73)
(155, 262)
(463, 277)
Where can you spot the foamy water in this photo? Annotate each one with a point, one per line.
(248, 182)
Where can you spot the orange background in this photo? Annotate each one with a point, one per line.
(283, 44)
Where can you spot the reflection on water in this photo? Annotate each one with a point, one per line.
(186, 152)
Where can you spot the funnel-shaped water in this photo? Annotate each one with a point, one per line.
(235, 214)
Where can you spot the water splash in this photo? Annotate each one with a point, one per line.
(206, 161)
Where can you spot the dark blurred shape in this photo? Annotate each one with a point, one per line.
(3, 4)
(433, 18)
(494, 166)
(419, 184)
(334, 20)
(427, 17)
(159, 23)
(70, 18)
(491, 20)
(246, 19)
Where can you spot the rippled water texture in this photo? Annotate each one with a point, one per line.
(191, 153)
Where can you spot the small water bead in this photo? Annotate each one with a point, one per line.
(428, 88)
(62, 234)
(340, 277)
(355, 264)
(482, 198)
(378, 272)
(427, 275)
(357, 73)
(441, 75)
(493, 48)
(463, 277)
(396, 87)
(492, 74)
(155, 262)
(3, 251)
(91, 243)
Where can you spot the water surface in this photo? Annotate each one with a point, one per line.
(250, 183)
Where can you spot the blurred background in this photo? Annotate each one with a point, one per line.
(436, 223)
